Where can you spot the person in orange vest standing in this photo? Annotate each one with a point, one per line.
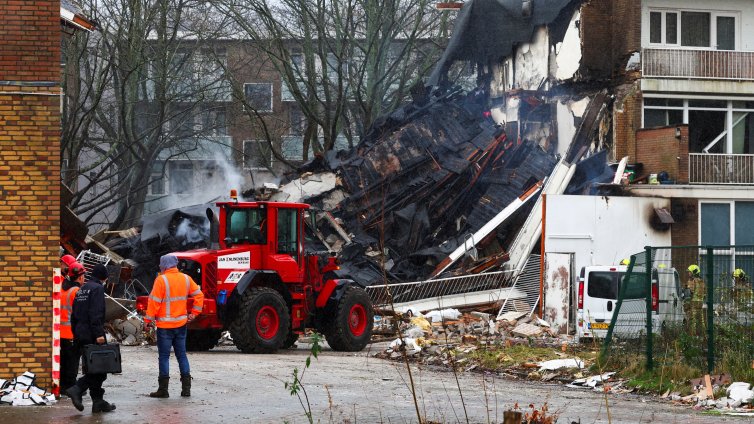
(168, 309)
(70, 356)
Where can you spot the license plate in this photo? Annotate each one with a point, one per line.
(600, 325)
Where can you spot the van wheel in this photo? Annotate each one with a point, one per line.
(262, 322)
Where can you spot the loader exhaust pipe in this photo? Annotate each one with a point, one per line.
(214, 230)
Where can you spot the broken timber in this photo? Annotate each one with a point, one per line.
(489, 227)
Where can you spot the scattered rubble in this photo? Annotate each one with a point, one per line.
(22, 391)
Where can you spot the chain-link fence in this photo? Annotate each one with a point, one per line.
(696, 303)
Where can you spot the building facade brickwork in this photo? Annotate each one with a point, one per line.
(29, 184)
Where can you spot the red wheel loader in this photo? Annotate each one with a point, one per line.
(261, 285)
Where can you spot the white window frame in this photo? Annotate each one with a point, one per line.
(248, 166)
(714, 14)
(272, 96)
(729, 109)
(732, 219)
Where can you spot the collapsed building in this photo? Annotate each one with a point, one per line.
(574, 97)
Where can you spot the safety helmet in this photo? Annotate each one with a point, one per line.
(694, 269)
(625, 262)
(739, 273)
(76, 270)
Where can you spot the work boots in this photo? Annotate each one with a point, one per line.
(74, 392)
(185, 385)
(101, 405)
(162, 390)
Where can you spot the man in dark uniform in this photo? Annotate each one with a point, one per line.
(88, 323)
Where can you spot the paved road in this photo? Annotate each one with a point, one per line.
(342, 388)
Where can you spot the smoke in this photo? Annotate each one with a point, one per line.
(208, 181)
(192, 231)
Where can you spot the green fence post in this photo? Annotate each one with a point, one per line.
(710, 312)
(648, 276)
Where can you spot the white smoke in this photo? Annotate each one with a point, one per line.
(210, 180)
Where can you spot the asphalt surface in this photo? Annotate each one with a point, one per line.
(229, 386)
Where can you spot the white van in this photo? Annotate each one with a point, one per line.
(598, 288)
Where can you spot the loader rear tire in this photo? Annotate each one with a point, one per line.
(201, 340)
(262, 322)
(290, 340)
(350, 329)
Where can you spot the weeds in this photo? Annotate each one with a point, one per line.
(296, 385)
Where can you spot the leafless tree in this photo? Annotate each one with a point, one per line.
(345, 62)
(136, 91)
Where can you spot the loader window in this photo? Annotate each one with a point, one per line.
(247, 225)
(288, 231)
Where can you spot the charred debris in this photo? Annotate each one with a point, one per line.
(425, 178)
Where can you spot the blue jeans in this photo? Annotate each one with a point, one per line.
(175, 337)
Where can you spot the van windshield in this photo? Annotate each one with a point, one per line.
(606, 285)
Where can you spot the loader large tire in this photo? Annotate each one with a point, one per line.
(201, 340)
(290, 340)
(262, 322)
(350, 329)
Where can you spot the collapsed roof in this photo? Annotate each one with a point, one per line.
(486, 31)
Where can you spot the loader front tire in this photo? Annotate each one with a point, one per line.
(350, 328)
(262, 323)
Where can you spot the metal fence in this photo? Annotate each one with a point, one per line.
(713, 168)
(690, 306)
(715, 64)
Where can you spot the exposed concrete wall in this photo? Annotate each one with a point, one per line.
(568, 51)
(29, 184)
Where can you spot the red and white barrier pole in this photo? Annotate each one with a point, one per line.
(57, 283)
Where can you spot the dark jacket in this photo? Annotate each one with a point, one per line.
(88, 318)
(68, 284)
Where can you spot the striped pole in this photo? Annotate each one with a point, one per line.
(57, 282)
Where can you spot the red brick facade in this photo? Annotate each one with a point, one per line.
(659, 149)
(29, 183)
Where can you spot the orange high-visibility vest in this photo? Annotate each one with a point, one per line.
(66, 310)
(167, 305)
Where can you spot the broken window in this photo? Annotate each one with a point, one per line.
(708, 121)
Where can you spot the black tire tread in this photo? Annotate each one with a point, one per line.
(337, 332)
(202, 340)
(243, 331)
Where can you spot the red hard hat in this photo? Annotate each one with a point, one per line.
(68, 260)
(76, 270)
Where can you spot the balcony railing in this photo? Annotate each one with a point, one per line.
(703, 64)
(710, 168)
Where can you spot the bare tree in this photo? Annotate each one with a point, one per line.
(344, 62)
(138, 93)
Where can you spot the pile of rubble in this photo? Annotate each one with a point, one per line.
(738, 399)
(23, 391)
(129, 332)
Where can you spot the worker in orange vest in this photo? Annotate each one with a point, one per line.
(70, 356)
(168, 309)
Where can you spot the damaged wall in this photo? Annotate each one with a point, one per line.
(606, 230)
(610, 31)
(532, 61)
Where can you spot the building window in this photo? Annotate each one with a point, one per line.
(181, 177)
(258, 96)
(213, 121)
(297, 121)
(709, 121)
(723, 224)
(694, 29)
(256, 154)
(157, 179)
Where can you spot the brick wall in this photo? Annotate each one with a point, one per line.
(610, 32)
(685, 231)
(29, 183)
(626, 121)
(660, 150)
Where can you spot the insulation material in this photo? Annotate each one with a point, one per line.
(532, 60)
(568, 51)
(22, 391)
(309, 185)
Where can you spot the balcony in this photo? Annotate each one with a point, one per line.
(701, 64)
(709, 168)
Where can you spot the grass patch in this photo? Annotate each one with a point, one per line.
(497, 358)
